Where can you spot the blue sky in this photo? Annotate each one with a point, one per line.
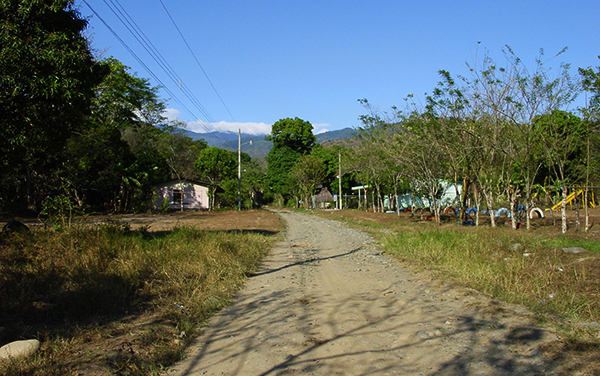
(269, 60)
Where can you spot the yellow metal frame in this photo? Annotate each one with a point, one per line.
(571, 197)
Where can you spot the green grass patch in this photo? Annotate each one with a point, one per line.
(518, 267)
(564, 242)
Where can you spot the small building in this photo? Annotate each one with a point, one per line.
(193, 194)
(448, 196)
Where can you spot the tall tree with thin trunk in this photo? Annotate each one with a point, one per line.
(216, 165)
(307, 174)
(562, 133)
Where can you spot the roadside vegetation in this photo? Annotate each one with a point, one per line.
(527, 268)
(108, 300)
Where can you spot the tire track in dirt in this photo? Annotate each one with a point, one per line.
(328, 302)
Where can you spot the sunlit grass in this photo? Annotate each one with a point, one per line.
(518, 268)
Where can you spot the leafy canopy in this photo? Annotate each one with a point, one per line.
(293, 133)
(47, 80)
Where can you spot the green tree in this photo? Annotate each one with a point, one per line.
(379, 153)
(280, 161)
(427, 164)
(96, 167)
(489, 117)
(308, 172)
(115, 162)
(291, 139)
(216, 165)
(125, 101)
(591, 83)
(330, 155)
(253, 177)
(47, 80)
(510, 98)
(294, 133)
(562, 134)
(251, 189)
(180, 153)
(591, 116)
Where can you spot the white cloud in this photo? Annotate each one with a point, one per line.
(222, 126)
(171, 114)
(320, 128)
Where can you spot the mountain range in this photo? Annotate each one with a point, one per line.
(255, 145)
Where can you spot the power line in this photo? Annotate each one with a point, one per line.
(197, 62)
(149, 47)
(154, 53)
(141, 37)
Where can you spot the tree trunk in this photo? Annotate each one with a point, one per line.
(477, 204)
(528, 204)
(587, 213)
(396, 199)
(463, 201)
(563, 207)
(513, 197)
(489, 197)
(577, 216)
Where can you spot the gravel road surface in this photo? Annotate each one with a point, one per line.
(327, 301)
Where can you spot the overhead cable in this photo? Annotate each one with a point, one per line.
(197, 61)
(165, 66)
(141, 37)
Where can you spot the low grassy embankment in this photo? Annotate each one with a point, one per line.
(107, 300)
(523, 267)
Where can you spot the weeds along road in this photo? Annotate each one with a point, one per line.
(328, 302)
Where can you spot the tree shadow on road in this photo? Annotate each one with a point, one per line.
(305, 262)
(409, 337)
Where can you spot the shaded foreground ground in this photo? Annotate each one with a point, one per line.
(327, 301)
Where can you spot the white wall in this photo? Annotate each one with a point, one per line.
(448, 197)
(195, 196)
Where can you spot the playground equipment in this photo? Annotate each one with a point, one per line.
(451, 210)
(536, 211)
(522, 211)
(572, 197)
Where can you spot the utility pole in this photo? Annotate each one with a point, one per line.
(340, 180)
(239, 169)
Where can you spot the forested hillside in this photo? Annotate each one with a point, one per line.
(259, 149)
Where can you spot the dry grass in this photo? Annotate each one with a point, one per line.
(107, 300)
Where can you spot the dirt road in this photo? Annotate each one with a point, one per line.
(328, 302)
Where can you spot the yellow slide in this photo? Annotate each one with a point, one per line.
(570, 198)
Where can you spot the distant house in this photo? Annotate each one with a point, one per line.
(193, 193)
(322, 200)
(448, 196)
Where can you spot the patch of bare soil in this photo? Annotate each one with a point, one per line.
(327, 301)
(255, 220)
(259, 220)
